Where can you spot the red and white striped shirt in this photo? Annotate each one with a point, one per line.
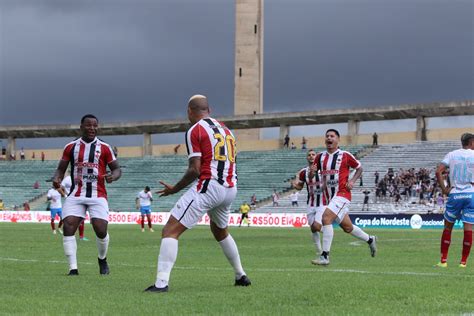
(313, 187)
(215, 144)
(88, 167)
(335, 171)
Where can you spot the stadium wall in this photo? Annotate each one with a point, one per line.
(273, 144)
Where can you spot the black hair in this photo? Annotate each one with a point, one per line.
(147, 188)
(466, 139)
(89, 116)
(333, 130)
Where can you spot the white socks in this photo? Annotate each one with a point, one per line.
(102, 246)
(70, 250)
(317, 243)
(166, 260)
(229, 247)
(360, 234)
(328, 234)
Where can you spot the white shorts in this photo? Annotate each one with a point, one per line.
(77, 206)
(339, 206)
(315, 214)
(216, 200)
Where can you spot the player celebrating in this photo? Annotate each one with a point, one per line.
(89, 158)
(334, 165)
(314, 205)
(143, 202)
(212, 168)
(54, 197)
(460, 203)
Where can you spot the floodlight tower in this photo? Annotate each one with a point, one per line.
(248, 90)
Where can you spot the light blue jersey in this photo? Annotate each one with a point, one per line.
(461, 170)
(460, 203)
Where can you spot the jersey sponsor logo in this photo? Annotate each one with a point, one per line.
(329, 172)
(332, 183)
(90, 177)
(86, 164)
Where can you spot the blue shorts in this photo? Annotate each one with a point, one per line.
(460, 206)
(145, 210)
(55, 211)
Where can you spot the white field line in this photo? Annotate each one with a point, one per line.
(272, 270)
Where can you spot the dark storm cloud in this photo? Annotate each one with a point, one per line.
(141, 60)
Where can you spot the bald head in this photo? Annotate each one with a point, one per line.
(198, 108)
(198, 104)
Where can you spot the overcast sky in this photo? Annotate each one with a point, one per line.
(142, 59)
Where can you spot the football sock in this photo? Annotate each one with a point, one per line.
(102, 246)
(328, 234)
(52, 224)
(81, 230)
(317, 243)
(166, 260)
(143, 222)
(445, 242)
(229, 247)
(149, 221)
(466, 246)
(70, 250)
(60, 223)
(359, 233)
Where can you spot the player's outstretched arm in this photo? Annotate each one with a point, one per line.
(191, 174)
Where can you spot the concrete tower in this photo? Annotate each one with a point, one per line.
(248, 91)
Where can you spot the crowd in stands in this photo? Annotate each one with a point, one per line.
(412, 185)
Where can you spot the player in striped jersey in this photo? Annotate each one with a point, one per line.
(334, 165)
(212, 172)
(89, 158)
(315, 207)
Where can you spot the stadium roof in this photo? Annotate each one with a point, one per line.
(407, 111)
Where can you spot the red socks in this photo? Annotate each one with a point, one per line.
(81, 230)
(52, 225)
(445, 242)
(466, 246)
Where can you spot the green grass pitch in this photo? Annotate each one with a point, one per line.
(400, 280)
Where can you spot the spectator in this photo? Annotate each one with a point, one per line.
(293, 146)
(375, 142)
(294, 198)
(287, 141)
(361, 183)
(366, 199)
(253, 201)
(33, 156)
(42, 156)
(22, 154)
(376, 174)
(303, 143)
(26, 206)
(36, 185)
(275, 198)
(2, 206)
(115, 150)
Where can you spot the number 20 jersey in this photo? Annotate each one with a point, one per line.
(215, 144)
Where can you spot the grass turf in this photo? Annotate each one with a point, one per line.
(401, 279)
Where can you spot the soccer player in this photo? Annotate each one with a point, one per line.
(143, 202)
(89, 158)
(334, 165)
(54, 197)
(460, 194)
(314, 205)
(244, 210)
(66, 185)
(212, 172)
